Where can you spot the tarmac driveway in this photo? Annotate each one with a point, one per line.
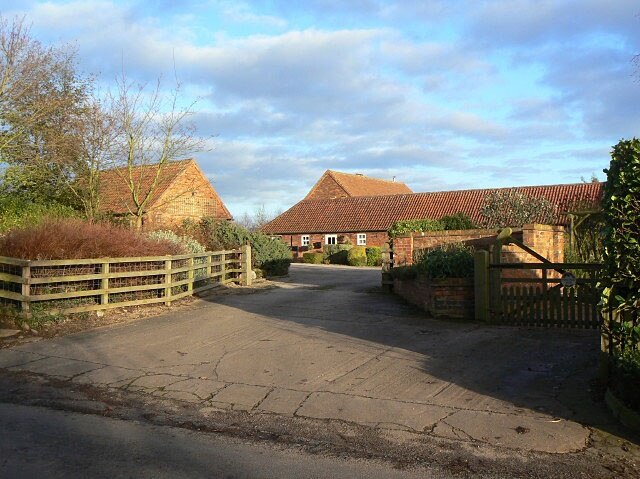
(327, 343)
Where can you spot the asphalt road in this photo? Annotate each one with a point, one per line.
(43, 443)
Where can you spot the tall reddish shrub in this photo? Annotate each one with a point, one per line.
(73, 239)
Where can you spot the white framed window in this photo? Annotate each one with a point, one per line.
(305, 240)
(361, 239)
(330, 239)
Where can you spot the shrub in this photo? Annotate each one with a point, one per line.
(190, 245)
(18, 213)
(511, 208)
(621, 204)
(459, 221)
(448, 261)
(270, 254)
(410, 226)
(312, 258)
(404, 272)
(73, 238)
(625, 377)
(357, 256)
(218, 234)
(374, 256)
(336, 253)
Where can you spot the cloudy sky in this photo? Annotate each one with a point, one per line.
(441, 94)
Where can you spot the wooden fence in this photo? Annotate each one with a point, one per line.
(78, 285)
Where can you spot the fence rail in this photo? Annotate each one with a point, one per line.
(79, 285)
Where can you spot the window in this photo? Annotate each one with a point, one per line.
(361, 239)
(330, 239)
(305, 240)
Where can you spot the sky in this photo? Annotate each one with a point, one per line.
(440, 94)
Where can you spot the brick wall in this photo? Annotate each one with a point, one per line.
(544, 239)
(327, 188)
(374, 238)
(442, 298)
(190, 196)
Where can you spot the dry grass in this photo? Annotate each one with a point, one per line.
(74, 239)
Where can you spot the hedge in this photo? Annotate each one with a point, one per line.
(312, 258)
(374, 256)
(357, 256)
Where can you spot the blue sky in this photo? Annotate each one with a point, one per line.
(440, 94)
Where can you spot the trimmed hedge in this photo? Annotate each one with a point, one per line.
(312, 258)
(19, 213)
(357, 256)
(374, 256)
(336, 253)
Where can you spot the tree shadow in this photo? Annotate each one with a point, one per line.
(548, 371)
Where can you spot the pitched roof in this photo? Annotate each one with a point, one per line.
(378, 213)
(360, 185)
(115, 196)
(114, 192)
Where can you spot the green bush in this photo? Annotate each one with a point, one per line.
(312, 258)
(621, 205)
(189, 244)
(459, 221)
(410, 226)
(404, 272)
(625, 377)
(357, 256)
(336, 253)
(270, 254)
(221, 234)
(448, 261)
(374, 256)
(18, 213)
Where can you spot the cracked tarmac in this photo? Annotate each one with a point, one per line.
(328, 345)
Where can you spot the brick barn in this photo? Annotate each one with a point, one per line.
(182, 192)
(364, 220)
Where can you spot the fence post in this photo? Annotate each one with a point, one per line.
(104, 284)
(25, 304)
(208, 266)
(495, 306)
(167, 282)
(387, 264)
(247, 280)
(190, 274)
(481, 285)
(223, 268)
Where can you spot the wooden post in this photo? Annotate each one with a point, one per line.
(223, 268)
(190, 274)
(247, 280)
(495, 286)
(167, 282)
(25, 304)
(387, 265)
(208, 266)
(481, 285)
(104, 284)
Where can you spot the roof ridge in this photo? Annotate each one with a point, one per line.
(416, 193)
(360, 175)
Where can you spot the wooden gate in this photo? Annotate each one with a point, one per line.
(536, 294)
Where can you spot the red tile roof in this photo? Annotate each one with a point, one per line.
(360, 185)
(115, 195)
(378, 213)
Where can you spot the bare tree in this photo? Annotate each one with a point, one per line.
(41, 96)
(152, 129)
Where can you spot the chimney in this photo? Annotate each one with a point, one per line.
(393, 179)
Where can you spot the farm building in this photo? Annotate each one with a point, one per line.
(182, 192)
(364, 220)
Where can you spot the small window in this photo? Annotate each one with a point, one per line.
(361, 239)
(305, 240)
(330, 239)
